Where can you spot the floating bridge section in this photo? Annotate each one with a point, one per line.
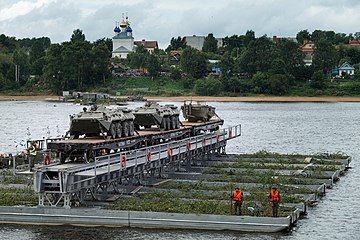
(70, 184)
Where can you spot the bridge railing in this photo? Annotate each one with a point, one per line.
(125, 159)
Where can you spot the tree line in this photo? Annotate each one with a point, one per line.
(262, 66)
(249, 64)
(73, 65)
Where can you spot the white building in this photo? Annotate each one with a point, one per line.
(123, 41)
(197, 42)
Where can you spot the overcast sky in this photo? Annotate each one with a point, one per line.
(161, 20)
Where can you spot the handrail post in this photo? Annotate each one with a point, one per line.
(95, 159)
(136, 154)
(108, 164)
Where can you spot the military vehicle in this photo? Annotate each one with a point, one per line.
(197, 111)
(102, 121)
(165, 117)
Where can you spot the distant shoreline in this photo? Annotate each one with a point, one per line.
(205, 98)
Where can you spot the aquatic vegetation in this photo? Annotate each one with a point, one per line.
(18, 196)
(8, 177)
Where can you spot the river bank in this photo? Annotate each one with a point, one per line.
(207, 98)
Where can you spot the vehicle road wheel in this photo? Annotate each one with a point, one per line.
(177, 122)
(131, 128)
(112, 130)
(168, 123)
(125, 129)
(118, 130)
(173, 122)
(163, 124)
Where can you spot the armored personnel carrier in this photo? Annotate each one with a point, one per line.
(197, 111)
(102, 121)
(166, 117)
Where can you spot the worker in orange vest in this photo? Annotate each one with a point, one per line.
(274, 199)
(238, 199)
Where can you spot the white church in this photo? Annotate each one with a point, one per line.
(123, 41)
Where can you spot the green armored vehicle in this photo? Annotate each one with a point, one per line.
(166, 117)
(102, 121)
(197, 111)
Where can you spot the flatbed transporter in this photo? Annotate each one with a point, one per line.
(87, 148)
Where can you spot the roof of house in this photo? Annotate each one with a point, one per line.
(346, 66)
(121, 49)
(123, 35)
(308, 46)
(354, 42)
(147, 44)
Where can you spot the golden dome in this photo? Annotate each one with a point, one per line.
(123, 24)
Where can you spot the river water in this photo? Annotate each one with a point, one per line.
(304, 128)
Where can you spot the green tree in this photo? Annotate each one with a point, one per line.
(210, 44)
(77, 36)
(233, 42)
(260, 83)
(232, 84)
(248, 37)
(302, 36)
(21, 59)
(279, 84)
(153, 65)
(318, 35)
(208, 86)
(176, 44)
(318, 80)
(139, 58)
(100, 58)
(193, 63)
(37, 53)
(7, 44)
(258, 56)
(290, 54)
(105, 41)
(278, 67)
(325, 56)
(353, 54)
(227, 64)
(53, 68)
(5, 83)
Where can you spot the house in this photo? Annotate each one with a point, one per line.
(354, 43)
(343, 70)
(148, 45)
(215, 69)
(308, 49)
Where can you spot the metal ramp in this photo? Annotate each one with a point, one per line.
(70, 184)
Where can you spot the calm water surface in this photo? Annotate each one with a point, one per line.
(276, 127)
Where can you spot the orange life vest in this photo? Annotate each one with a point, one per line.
(237, 196)
(274, 195)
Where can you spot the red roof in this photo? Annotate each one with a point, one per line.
(308, 46)
(147, 44)
(354, 42)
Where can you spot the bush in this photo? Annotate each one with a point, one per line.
(208, 86)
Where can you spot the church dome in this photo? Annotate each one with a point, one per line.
(117, 29)
(128, 28)
(123, 24)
